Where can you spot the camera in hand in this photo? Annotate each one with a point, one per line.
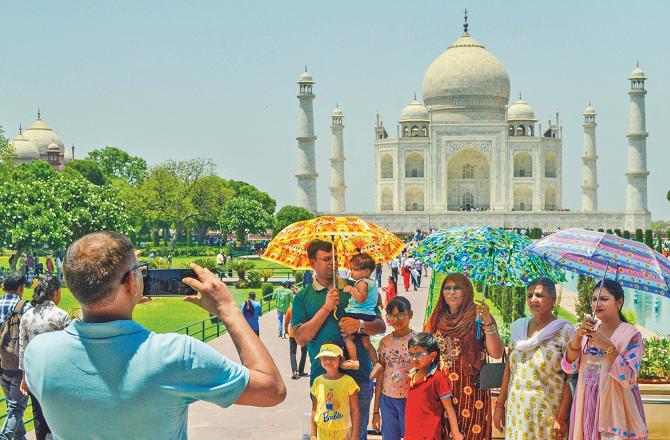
(168, 282)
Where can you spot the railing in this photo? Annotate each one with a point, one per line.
(204, 330)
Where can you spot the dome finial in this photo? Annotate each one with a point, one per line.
(305, 67)
(20, 129)
(519, 96)
(465, 23)
(39, 115)
(415, 96)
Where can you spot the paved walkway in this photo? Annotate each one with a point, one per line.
(208, 421)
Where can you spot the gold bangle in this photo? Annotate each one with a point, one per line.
(610, 349)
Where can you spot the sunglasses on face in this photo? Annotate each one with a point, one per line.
(454, 290)
(397, 317)
(418, 356)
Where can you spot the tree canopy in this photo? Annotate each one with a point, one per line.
(290, 214)
(244, 216)
(116, 163)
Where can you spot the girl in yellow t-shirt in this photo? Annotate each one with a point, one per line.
(335, 413)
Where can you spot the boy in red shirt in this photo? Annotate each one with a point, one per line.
(429, 395)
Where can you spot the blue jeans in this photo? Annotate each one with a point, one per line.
(393, 417)
(364, 399)
(13, 428)
(280, 323)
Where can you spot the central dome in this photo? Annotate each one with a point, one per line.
(466, 76)
(41, 135)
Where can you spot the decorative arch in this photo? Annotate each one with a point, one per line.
(550, 164)
(550, 203)
(424, 130)
(521, 130)
(405, 131)
(415, 131)
(414, 165)
(531, 130)
(387, 199)
(387, 166)
(414, 199)
(523, 165)
(523, 198)
(510, 130)
(468, 172)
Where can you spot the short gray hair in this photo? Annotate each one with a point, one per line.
(545, 282)
(95, 265)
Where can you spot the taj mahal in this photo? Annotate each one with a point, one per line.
(465, 156)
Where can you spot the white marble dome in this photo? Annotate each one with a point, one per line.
(337, 112)
(465, 69)
(24, 148)
(305, 77)
(520, 111)
(53, 148)
(589, 110)
(414, 111)
(637, 73)
(41, 135)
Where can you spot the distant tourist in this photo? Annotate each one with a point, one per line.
(108, 377)
(283, 297)
(297, 368)
(252, 311)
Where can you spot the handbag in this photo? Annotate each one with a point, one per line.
(490, 374)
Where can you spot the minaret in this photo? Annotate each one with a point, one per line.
(589, 171)
(636, 194)
(306, 172)
(337, 186)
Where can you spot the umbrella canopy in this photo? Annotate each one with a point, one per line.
(349, 235)
(491, 255)
(606, 256)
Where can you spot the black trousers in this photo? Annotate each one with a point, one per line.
(294, 351)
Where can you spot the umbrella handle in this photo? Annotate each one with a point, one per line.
(600, 289)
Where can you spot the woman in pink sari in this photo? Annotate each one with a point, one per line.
(606, 352)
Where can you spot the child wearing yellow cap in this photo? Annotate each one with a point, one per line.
(335, 413)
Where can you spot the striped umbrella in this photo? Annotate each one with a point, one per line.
(606, 256)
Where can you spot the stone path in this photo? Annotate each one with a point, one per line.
(208, 421)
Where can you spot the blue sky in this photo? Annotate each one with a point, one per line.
(216, 79)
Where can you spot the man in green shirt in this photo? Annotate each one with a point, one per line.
(314, 324)
(283, 297)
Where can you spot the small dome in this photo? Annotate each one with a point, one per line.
(337, 112)
(53, 148)
(414, 111)
(41, 135)
(24, 148)
(520, 111)
(305, 77)
(589, 110)
(637, 73)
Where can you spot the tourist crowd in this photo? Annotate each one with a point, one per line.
(555, 380)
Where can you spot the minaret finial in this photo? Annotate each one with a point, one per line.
(305, 67)
(519, 95)
(415, 96)
(39, 115)
(20, 129)
(465, 23)
(637, 63)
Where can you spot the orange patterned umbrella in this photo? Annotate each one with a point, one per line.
(349, 235)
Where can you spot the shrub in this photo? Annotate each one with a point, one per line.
(609, 231)
(266, 290)
(159, 263)
(639, 235)
(630, 316)
(617, 232)
(656, 358)
(649, 238)
(241, 267)
(266, 274)
(254, 278)
(601, 230)
(626, 234)
(207, 263)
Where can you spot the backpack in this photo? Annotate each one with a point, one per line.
(9, 338)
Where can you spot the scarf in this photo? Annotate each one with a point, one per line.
(459, 324)
(519, 334)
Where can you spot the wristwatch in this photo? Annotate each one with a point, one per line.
(361, 326)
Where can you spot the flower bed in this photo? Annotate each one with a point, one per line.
(655, 366)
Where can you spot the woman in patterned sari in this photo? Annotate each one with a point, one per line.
(462, 351)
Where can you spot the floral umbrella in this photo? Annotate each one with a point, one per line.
(349, 235)
(490, 255)
(606, 256)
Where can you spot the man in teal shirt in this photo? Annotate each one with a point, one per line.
(283, 297)
(314, 324)
(107, 377)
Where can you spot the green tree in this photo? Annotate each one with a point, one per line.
(649, 238)
(244, 216)
(585, 286)
(116, 163)
(7, 155)
(639, 235)
(244, 189)
(209, 194)
(89, 169)
(290, 214)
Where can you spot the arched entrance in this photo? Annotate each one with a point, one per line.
(468, 181)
